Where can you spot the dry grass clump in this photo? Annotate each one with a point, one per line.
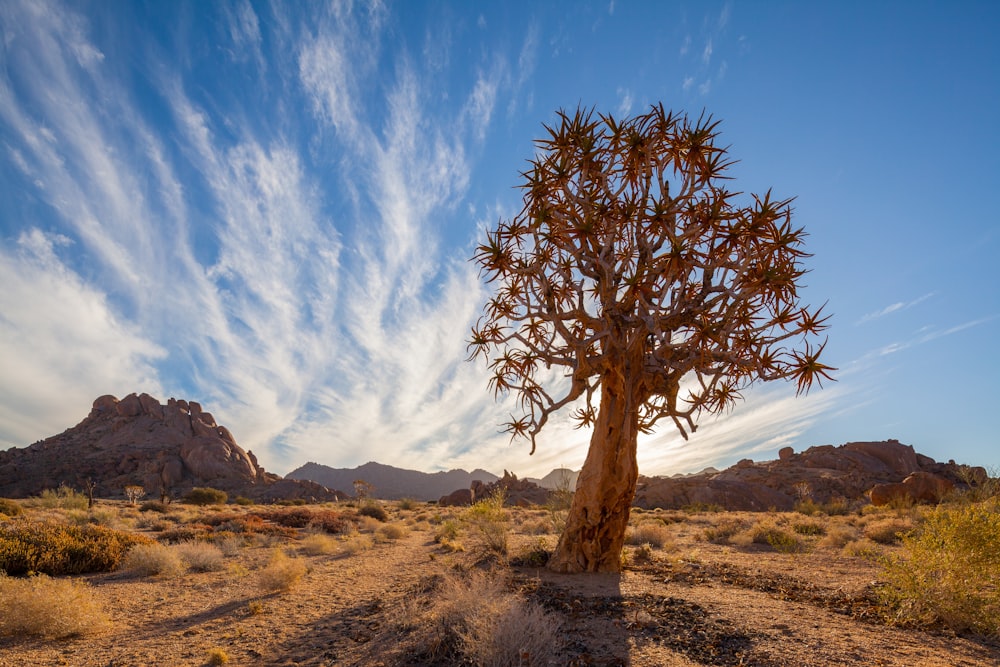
(653, 533)
(890, 530)
(475, 620)
(10, 508)
(488, 523)
(537, 526)
(724, 529)
(201, 556)
(390, 532)
(863, 548)
(281, 573)
(768, 532)
(154, 559)
(217, 656)
(50, 608)
(319, 544)
(949, 572)
(809, 527)
(355, 543)
(837, 537)
(54, 548)
(64, 498)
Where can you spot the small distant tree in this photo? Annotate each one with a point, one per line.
(635, 270)
(133, 492)
(89, 486)
(362, 489)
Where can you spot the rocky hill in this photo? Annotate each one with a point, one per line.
(167, 449)
(392, 483)
(823, 474)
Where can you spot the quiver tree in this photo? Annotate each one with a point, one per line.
(633, 269)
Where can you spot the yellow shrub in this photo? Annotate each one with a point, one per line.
(57, 549)
(950, 570)
(52, 608)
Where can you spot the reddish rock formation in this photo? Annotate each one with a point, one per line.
(518, 492)
(920, 487)
(822, 474)
(136, 440)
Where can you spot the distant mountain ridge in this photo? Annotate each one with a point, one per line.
(391, 483)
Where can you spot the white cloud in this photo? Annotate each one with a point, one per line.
(60, 341)
(895, 307)
(625, 102)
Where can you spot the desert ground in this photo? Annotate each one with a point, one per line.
(410, 583)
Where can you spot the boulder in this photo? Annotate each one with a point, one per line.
(459, 498)
(920, 487)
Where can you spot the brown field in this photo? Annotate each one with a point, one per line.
(428, 587)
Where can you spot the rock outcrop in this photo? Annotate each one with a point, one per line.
(517, 492)
(823, 474)
(920, 487)
(167, 449)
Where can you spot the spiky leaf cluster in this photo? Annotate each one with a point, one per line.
(629, 246)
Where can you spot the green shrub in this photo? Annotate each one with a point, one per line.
(64, 497)
(407, 504)
(949, 572)
(374, 510)
(50, 608)
(888, 531)
(154, 506)
(57, 549)
(808, 527)
(489, 522)
(241, 500)
(206, 496)
(10, 507)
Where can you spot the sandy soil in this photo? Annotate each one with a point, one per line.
(691, 602)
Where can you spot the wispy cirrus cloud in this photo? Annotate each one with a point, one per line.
(292, 274)
(896, 307)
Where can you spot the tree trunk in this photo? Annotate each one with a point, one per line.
(598, 516)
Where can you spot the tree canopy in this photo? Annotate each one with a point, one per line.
(629, 241)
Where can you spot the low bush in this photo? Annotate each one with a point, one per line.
(154, 506)
(374, 510)
(49, 608)
(355, 543)
(201, 556)
(56, 549)
(837, 537)
(206, 496)
(888, 531)
(808, 527)
(474, 620)
(390, 532)
(153, 559)
(722, 530)
(488, 521)
(281, 573)
(653, 533)
(10, 507)
(217, 656)
(64, 497)
(319, 544)
(407, 504)
(949, 572)
(768, 532)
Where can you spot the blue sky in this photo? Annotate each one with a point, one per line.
(270, 209)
